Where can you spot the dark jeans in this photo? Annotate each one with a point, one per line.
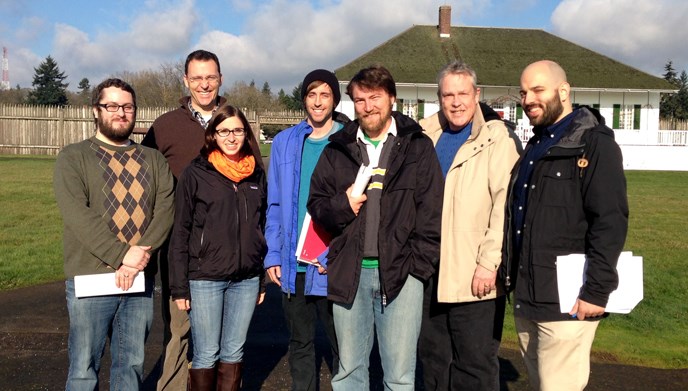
(459, 343)
(301, 313)
(434, 343)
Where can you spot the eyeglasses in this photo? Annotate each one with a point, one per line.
(212, 79)
(113, 108)
(236, 132)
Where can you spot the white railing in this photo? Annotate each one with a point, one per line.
(629, 137)
(651, 137)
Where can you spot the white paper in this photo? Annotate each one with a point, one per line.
(362, 179)
(302, 240)
(104, 285)
(571, 276)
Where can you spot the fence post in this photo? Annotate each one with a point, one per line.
(60, 128)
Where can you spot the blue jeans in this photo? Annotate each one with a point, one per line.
(126, 319)
(220, 314)
(397, 326)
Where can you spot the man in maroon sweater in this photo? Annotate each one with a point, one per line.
(178, 134)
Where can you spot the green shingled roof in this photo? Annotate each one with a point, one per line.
(498, 56)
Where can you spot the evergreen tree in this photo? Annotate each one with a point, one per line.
(84, 85)
(84, 92)
(49, 88)
(682, 97)
(293, 101)
(282, 97)
(669, 104)
(670, 72)
(266, 89)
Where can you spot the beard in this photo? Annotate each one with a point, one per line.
(551, 110)
(373, 126)
(117, 135)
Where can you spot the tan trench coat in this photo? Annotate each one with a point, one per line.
(475, 193)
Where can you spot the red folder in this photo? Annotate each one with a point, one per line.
(313, 241)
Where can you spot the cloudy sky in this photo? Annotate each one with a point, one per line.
(278, 41)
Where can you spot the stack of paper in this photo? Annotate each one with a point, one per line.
(104, 284)
(571, 276)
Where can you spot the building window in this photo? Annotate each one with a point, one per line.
(626, 117)
(499, 109)
(408, 107)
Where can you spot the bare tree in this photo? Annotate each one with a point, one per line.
(247, 96)
(14, 96)
(157, 88)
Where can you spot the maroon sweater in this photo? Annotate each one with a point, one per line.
(178, 136)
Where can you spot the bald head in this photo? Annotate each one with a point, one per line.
(548, 69)
(545, 93)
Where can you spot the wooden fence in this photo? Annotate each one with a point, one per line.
(44, 130)
(667, 124)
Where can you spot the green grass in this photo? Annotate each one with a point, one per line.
(265, 149)
(654, 334)
(30, 224)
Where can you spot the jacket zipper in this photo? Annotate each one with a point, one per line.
(238, 228)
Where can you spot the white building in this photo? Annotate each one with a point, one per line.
(626, 97)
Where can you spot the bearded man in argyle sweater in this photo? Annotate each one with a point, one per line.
(116, 201)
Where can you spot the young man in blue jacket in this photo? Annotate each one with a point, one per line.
(294, 154)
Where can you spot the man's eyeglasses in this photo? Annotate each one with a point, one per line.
(113, 108)
(212, 79)
(236, 132)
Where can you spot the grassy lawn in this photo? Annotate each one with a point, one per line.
(265, 149)
(652, 335)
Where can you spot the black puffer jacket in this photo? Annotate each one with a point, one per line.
(218, 227)
(570, 210)
(410, 210)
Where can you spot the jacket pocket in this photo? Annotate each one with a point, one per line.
(559, 184)
(544, 277)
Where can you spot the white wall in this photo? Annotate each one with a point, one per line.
(661, 158)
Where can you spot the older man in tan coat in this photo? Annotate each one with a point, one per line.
(464, 305)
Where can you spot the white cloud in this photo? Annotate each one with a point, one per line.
(151, 39)
(641, 33)
(22, 62)
(279, 41)
(163, 33)
(284, 40)
(31, 28)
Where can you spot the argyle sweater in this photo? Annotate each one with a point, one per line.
(110, 198)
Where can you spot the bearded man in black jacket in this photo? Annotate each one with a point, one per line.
(568, 195)
(385, 242)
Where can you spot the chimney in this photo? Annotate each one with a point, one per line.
(445, 21)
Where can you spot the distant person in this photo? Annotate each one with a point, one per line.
(217, 248)
(293, 157)
(385, 242)
(179, 135)
(116, 201)
(568, 196)
(463, 309)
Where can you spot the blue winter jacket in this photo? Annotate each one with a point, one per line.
(284, 173)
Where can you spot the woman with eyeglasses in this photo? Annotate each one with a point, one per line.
(217, 248)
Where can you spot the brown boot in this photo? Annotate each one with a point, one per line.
(228, 376)
(202, 379)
